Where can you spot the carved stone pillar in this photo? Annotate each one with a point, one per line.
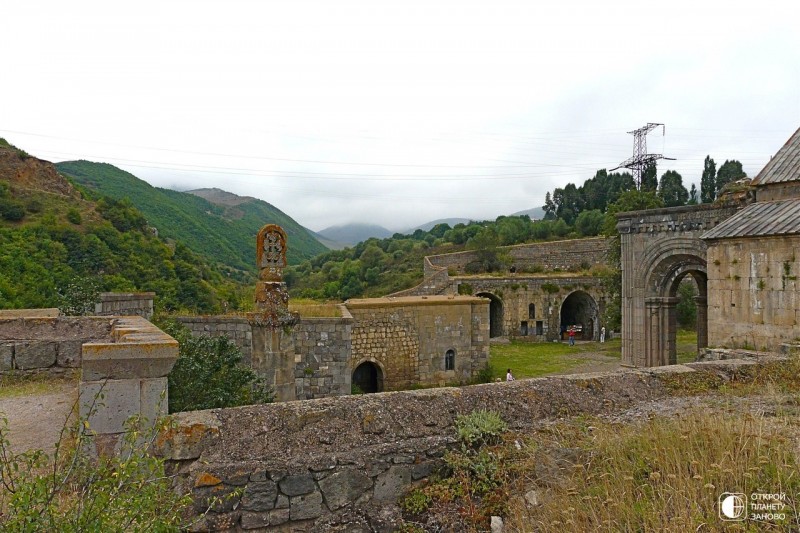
(702, 322)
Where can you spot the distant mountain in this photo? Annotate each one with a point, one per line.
(536, 213)
(350, 234)
(218, 225)
(429, 225)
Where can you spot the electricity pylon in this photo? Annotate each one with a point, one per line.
(641, 159)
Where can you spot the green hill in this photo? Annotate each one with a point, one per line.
(217, 225)
(61, 244)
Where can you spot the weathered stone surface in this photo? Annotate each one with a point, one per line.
(422, 470)
(305, 506)
(344, 487)
(297, 485)
(6, 356)
(390, 485)
(279, 516)
(254, 520)
(260, 496)
(69, 354)
(34, 354)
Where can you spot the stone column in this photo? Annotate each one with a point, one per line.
(272, 323)
(662, 327)
(701, 304)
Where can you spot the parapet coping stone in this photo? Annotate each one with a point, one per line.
(404, 301)
(120, 296)
(51, 312)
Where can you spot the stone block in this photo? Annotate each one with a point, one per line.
(6, 357)
(34, 355)
(69, 354)
(124, 360)
(344, 487)
(278, 516)
(260, 496)
(254, 520)
(306, 506)
(297, 485)
(153, 398)
(392, 483)
(108, 404)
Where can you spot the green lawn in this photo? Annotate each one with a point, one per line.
(535, 359)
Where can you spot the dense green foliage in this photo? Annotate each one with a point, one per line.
(209, 373)
(71, 492)
(223, 234)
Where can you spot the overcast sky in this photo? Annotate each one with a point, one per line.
(396, 113)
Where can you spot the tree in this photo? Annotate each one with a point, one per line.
(671, 189)
(549, 207)
(649, 178)
(729, 172)
(590, 223)
(708, 181)
(485, 245)
(692, 196)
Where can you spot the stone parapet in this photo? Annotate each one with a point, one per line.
(340, 463)
(125, 304)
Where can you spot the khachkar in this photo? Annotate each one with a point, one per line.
(273, 343)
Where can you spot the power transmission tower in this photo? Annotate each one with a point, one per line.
(641, 159)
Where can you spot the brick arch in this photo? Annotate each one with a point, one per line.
(380, 377)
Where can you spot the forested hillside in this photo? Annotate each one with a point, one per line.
(223, 232)
(59, 245)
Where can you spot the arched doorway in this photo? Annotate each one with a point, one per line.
(368, 377)
(579, 309)
(661, 318)
(495, 314)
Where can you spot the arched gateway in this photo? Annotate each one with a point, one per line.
(495, 314)
(659, 248)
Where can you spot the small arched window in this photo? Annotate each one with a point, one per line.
(450, 360)
(531, 310)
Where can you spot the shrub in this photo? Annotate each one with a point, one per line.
(11, 210)
(78, 296)
(73, 492)
(209, 373)
(479, 427)
(74, 216)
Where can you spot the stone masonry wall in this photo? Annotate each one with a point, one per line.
(342, 463)
(408, 338)
(236, 328)
(125, 304)
(323, 347)
(48, 344)
(571, 255)
(753, 292)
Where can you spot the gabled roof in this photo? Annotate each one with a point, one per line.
(784, 166)
(760, 219)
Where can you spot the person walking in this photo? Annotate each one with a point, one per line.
(603, 334)
(571, 334)
(509, 376)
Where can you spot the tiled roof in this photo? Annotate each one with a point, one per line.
(760, 219)
(784, 166)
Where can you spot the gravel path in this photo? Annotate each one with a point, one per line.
(35, 421)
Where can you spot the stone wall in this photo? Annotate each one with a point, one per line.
(408, 338)
(753, 292)
(125, 304)
(570, 256)
(342, 463)
(47, 344)
(236, 328)
(323, 347)
(531, 305)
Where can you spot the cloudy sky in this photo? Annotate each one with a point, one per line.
(396, 113)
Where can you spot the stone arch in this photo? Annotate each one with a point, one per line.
(661, 324)
(580, 309)
(495, 314)
(368, 376)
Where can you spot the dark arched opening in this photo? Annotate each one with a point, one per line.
(495, 314)
(690, 310)
(579, 310)
(367, 378)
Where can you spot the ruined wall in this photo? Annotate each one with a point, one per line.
(408, 338)
(47, 344)
(342, 463)
(753, 292)
(323, 347)
(570, 256)
(236, 328)
(125, 304)
(546, 294)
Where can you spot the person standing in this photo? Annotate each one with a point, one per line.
(571, 334)
(509, 376)
(603, 334)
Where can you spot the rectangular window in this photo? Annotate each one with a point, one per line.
(450, 360)
(523, 328)
(540, 327)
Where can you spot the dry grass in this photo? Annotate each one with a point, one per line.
(14, 385)
(315, 309)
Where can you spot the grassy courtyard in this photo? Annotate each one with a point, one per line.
(535, 359)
